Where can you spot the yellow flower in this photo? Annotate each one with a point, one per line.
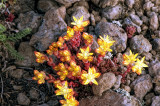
(75, 69)
(90, 76)
(106, 40)
(64, 90)
(69, 102)
(129, 59)
(85, 55)
(79, 24)
(41, 58)
(70, 33)
(88, 38)
(139, 66)
(104, 45)
(40, 76)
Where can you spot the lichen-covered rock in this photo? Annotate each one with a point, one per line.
(139, 44)
(154, 68)
(110, 98)
(156, 44)
(45, 5)
(141, 86)
(105, 82)
(115, 32)
(155, 101)
(154, 24)
(23, 99)
(28, 53)
(112, 13)
(29, 20)
(105, 3)
(81, 11)
(52, 27)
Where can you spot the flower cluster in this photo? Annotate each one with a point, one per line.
(130, 31)
(134, 63)
(75, 63)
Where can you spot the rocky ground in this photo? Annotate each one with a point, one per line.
(49, 20)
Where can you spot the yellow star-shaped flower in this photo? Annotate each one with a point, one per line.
(41, 58)
(40, 76)
(63, 90)
(106, 40)
(79, 24)
(138, 67)
(90, 76)
(69, 102)
(85, 55)
(70, 33)
(129, 59)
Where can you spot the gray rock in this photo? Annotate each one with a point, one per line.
(81, 11)
(29, 20)
(154, 68)
(52, 27)
(23, 6)
(23, 99)
(145, 20)
(147, 6)
(139, 44)
(155, 101)
(110, 98)
(93, 20)
(68, 2)
(112, 13)
(94, 44)
(157, 2)
(45, 5)
(118, 82)
(157, 33)
(130, 3)
(115, 32)
(156, 44)
(128, 21)
(148, 99)
(106, 3)
(156, 80)
(44, 104)
(141, 86)
(157, 90)
(53, 103)
(148, 56)
(33, 94)
(82, 3)
(17, 73)
(28, 53)
(154, 24)
(136, 19)
(15, 87)
(105, 82)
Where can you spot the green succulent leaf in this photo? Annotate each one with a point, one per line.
(3, 37)
(2, 28)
